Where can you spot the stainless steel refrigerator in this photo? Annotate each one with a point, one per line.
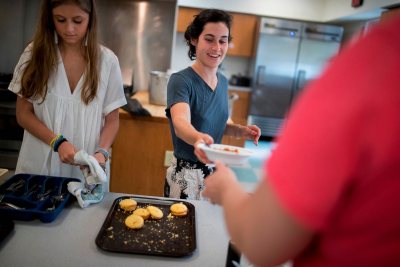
(289, 55)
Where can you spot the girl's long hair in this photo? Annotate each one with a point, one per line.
(44, 53)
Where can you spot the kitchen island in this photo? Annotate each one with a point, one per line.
(139, 149)
(70, 240)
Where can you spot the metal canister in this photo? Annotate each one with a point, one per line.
(158, 88)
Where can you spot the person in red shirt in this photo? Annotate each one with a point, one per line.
(332, 185)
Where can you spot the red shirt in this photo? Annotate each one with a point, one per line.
(336, 168)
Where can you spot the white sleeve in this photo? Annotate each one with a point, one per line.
(114, 97)
(15, 84)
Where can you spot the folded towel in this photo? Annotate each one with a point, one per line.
(84, 196)
(91, 191)
(93, 173)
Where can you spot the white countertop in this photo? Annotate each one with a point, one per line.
(3, 171)
(239, 88)
(70, 240)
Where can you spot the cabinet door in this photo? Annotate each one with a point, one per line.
(185, 17)
(243, 32)
(240, 110)
(138, 154)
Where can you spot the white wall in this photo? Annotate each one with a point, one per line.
(310, 10)
(294, 9)
(340, 9)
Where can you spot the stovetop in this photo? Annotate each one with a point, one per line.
(7, 98)
(5, 79)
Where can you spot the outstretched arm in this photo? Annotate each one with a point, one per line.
(258, 224)
(250, 132)
(181, 118)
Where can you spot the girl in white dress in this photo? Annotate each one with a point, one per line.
(69, 90)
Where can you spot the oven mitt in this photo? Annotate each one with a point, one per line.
(85, 196)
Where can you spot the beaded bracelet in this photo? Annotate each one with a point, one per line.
(103, 152)
(58, 142)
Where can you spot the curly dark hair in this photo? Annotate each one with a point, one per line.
(194, 30)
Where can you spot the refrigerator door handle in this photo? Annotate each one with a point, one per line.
(300, 80)
(260, 71)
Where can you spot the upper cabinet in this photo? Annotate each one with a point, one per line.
(243, 30)
(185, 16)
(243, 35)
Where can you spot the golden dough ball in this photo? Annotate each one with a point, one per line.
(128, 204)
(134, 221)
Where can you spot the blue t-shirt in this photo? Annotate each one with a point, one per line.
(208, 108)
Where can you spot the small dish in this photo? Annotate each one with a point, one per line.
(229, 155)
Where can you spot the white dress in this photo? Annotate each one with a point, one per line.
(65, 113)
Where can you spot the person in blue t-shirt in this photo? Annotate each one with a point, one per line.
(197, 105)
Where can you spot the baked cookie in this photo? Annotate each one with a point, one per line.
(128, 204)
(134, 221)
(179, 209)
(155, 212)
(144, 213)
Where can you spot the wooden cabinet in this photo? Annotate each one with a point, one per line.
(240, 112)
(243, 30)
(243, 35)
(185, 17)
(138, 152)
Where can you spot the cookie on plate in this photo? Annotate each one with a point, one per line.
(179, 209)
(155, 212)
(128, 204)
(144, 213)
(134, 221)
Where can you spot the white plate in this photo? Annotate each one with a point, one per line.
(230, 155)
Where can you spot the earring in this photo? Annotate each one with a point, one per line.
(55, 37)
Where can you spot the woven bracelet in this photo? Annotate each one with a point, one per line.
(54, 140)
(58, 142)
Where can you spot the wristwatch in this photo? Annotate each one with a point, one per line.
(104, 152)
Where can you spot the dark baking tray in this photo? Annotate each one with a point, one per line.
(36, 195)
(171, 237)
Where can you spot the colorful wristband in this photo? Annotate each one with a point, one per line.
(58, 142)
(54, 140)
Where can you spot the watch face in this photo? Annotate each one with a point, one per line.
(356, 3)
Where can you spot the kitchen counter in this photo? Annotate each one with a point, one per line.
(157, 111)
(70, 240)
(239, 88)
(138, 151)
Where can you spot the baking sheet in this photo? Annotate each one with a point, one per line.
(171, 236)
